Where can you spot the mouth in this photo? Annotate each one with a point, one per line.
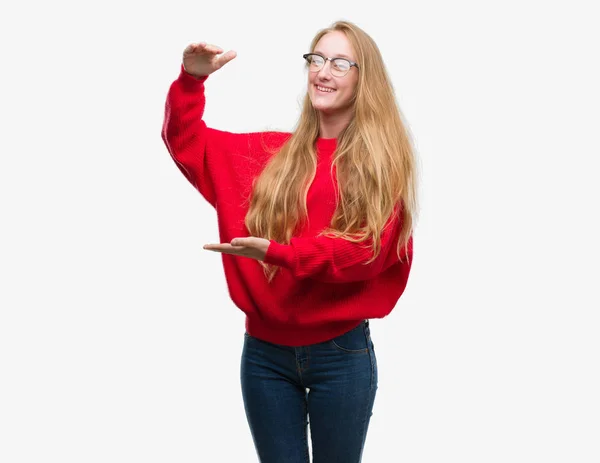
(322, 89)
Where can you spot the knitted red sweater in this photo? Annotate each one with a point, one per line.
(323, 288)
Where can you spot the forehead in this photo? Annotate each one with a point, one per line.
(335, 43)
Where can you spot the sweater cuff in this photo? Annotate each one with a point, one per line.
(280, 254)
(189, 80)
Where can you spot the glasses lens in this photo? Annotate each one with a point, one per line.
(340, 64)
(316, 62)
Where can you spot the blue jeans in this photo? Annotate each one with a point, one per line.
(333, 382)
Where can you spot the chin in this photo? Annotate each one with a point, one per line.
(326, 109)
(320, 106)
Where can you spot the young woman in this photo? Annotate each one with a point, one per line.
(316, 238)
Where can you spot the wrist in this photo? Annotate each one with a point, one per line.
(195, 76)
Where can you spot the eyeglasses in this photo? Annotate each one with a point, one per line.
(339, 66)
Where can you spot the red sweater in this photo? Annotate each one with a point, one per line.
(322, 289)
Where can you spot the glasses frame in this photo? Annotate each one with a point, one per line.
(352, 63)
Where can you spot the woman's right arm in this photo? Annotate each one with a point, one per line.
(184, 133)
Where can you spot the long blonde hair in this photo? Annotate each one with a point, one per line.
(374, 160)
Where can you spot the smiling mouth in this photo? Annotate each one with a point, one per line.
(324, 89)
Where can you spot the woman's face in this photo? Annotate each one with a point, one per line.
(339, 90)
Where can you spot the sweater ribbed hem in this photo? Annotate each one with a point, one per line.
(189, 80)
(296, 336)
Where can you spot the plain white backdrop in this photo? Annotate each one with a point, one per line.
(118, 340)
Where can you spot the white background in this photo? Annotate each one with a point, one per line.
(118, 340)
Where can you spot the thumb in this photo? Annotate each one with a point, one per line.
(226, 58)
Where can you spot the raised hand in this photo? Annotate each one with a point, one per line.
(202, 59)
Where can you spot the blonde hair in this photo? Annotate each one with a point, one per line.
(374, 160)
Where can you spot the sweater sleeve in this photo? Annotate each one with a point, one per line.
(186, 135)
(336, 260)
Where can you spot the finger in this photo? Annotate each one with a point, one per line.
(217, 247)
(226, 58)
(213, 49)
(202, 48)
(194, 47)
(222, 247)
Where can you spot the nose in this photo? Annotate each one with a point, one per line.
(325, 72)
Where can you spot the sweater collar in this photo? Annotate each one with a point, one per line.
(326, 145)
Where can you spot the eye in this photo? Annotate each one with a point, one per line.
(341, 64)
(316, 60)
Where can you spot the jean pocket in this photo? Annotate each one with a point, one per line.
(355, 341)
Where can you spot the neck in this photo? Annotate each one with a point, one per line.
(332, 124)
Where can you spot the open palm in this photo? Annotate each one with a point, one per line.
(253, 247)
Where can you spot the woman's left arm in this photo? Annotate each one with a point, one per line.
(336, 260)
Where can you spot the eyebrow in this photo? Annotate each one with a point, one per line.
(340, 55)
